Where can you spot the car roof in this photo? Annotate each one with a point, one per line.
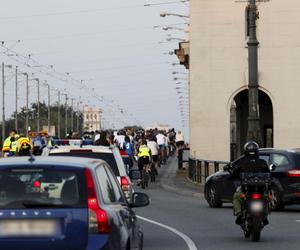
(66, 149)
(295, 150)
(51, 160)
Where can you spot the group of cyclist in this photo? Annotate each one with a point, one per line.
(16, 145)
(150, 148)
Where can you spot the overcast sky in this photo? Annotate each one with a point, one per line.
(111, 45)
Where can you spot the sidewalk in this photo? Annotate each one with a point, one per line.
(176, 181)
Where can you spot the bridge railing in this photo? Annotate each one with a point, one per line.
(199, 169)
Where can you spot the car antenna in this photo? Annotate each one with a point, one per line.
(31, 158)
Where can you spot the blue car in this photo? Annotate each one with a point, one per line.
(65, 203)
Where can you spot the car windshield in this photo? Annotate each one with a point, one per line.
(108, 157)
(42, 187)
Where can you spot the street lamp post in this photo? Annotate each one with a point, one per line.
(38, 104)
(164, 14)
(3, 99)
(27, 105)
(253, 132)
(72, 115)
(66, 115)
(3, 103)
(16, 114)
(49, 109)
(78, 115)
(58, 115)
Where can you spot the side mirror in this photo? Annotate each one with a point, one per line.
(140, 200)
(227, 167)
(134, 174)
(272, 167)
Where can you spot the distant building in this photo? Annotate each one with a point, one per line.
(164, 127)
(91, 118)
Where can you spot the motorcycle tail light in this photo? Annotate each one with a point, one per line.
(256, 196)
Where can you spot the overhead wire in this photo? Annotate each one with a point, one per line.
(42, 72)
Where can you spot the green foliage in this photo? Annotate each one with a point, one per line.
(10, 123)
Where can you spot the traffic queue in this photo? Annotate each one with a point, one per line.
(72, 193)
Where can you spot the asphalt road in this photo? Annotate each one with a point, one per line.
(209, 228)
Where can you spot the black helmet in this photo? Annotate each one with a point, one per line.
(251, 148)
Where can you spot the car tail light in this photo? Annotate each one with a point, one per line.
(98, 219)
(125, 185)
(256, 196)
(294, 173)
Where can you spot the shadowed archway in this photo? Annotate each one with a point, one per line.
(239, 122)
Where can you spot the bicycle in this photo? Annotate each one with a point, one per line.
(146, 173)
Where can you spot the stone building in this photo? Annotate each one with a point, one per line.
(91, 118)
(219, 75)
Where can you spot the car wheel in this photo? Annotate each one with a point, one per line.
(275, 199)
(212, 197)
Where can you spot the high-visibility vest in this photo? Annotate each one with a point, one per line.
(24, 142)
(144, 151)
(14, 147)
(6, 144)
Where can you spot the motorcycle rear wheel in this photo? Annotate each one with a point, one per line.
(256, 228)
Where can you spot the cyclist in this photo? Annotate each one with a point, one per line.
(24, 147)
(144, 154)
(161, 141)
(7, 143)
(172, 136)
(152, 144)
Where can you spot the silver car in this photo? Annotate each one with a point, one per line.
(109, 154)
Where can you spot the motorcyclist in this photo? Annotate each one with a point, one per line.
(249, 164)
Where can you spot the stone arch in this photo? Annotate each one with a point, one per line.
(238, 110)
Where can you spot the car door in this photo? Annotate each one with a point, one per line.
(112, 204)
(126, 213)
(283, 165)
(265, 157)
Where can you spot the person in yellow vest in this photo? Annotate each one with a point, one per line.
(24, 147)
(144, 155)
(14, 145)
(7, 143)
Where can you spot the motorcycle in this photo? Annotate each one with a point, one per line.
(255, 205)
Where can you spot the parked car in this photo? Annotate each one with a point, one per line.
(109, 154)
(285, 188)
(65, 203)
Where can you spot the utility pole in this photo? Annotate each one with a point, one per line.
(58, 116)
(77, 123)
(38, 104)
(16, 115)
(72, 115)
(49, 109)
(3, 103)
(66, 115)
(27, 105)
(253, 132)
